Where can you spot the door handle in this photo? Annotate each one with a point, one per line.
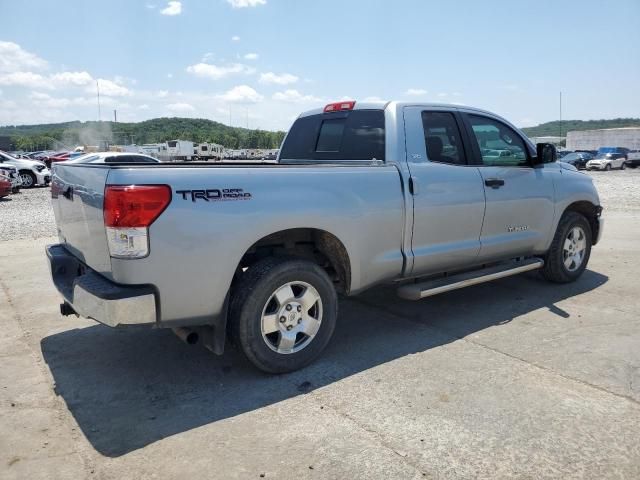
(494, 182)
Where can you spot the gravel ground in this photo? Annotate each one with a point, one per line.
(29, 214)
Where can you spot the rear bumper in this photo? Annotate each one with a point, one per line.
(93, 296)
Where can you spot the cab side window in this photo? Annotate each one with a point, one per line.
(442, 138)
(500, 145)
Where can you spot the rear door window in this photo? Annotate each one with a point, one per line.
(442, 138)
(354, 135)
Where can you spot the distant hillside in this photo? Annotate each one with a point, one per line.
(70, 134)
(552, 129)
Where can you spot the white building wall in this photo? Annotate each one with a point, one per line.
(611, 137)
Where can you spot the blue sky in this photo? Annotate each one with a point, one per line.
(268, 60)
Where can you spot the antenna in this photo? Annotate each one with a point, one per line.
(98, 89)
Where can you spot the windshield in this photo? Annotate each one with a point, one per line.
(603, 155)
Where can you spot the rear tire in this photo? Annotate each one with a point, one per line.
(283, 313)
(570, 249)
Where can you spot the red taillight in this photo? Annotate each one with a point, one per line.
(340, 106)
(134, 205)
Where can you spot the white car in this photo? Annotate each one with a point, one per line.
(113, 157)
(607, 161)
(32, 172)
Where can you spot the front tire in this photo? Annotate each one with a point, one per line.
(283, 313)
(570, 249)
(607, 168)
(623, 166)
(29, 180)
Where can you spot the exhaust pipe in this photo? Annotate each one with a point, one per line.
(187, 335)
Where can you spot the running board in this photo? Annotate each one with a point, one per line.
(416, 291)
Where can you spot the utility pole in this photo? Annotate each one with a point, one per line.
(98, 90)
(561, 115)
(115, 116)
(247, 118)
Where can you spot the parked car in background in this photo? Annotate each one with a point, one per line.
(577, 159)
(562, 153)
(57, 157)
(114, 157)
(633, 158)
(31, 172)
(607, 161)
(592, 152)
(618, 150)
(11, 172)
(5, 186)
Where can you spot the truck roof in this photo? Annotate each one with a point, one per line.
(382, 105)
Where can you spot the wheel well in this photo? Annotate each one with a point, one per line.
(312, 244)
(591, 212)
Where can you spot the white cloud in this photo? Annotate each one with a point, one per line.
(284, 79)
(372, 99)
(172, 8)
(215, 72)
(110, 88)
(25, 79)
(416, 92)
(251, 56)
(294, 96)
(169, 75)
(72, 78)
(443, 94)
(163, 93)
(246, 3)
(13, 58)
(235, 38)
(181, 107)
(46, 100)
(144, 106)
(241, 94)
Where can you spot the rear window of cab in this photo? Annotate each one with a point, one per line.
(351, 135)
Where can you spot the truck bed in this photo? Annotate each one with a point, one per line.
(196, 244)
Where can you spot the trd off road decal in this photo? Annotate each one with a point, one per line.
(215, 194)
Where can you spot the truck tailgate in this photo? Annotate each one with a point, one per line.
(77, 195)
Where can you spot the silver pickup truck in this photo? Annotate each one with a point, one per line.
(428, 197)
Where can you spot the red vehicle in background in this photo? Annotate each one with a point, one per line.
(56, 157)
(5, 186)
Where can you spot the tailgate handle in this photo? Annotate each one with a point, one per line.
(68, 192)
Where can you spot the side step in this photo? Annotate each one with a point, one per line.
(416, 291)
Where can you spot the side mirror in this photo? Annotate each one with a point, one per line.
(545, 153)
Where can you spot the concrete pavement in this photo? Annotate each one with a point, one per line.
(516, 378)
